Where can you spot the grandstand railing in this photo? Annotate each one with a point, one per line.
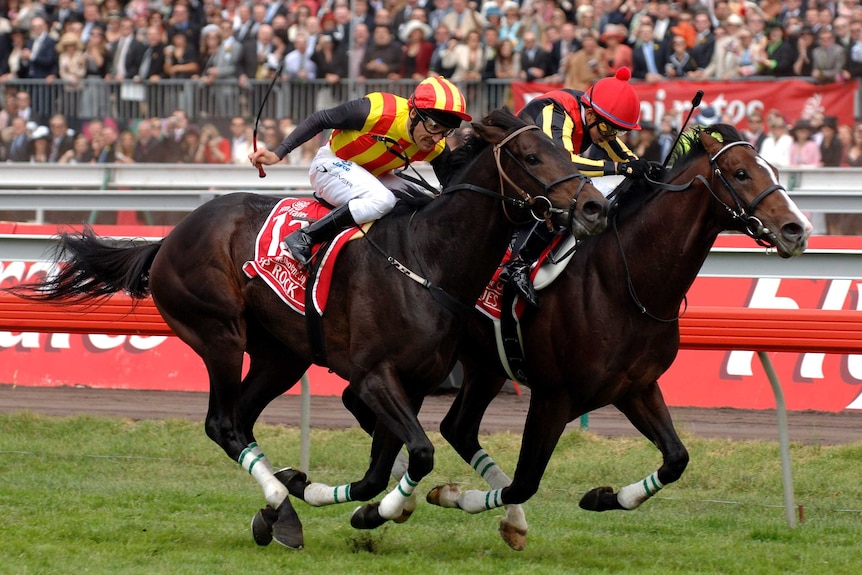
(98, 98)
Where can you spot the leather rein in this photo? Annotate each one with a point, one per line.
(743, 212)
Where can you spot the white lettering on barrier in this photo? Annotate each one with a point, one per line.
(17, 272)
(764, 296)
(146, 342)
(811, 366)
(94, 341)
(24, 340)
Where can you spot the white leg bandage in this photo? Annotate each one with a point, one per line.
(254, 461)
(393, 504)
(488, 469)
(318, 494)
(631, 496)
(475, 501)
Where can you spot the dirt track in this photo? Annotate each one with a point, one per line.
(506, 413)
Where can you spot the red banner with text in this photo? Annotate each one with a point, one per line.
(732, 100)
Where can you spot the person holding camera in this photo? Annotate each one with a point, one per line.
(213, 148)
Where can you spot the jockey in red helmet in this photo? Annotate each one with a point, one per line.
(372, 136)
(577, 120)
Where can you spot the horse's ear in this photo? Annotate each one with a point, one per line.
(710, 143)
(488, 130)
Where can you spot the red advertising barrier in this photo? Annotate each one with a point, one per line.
(793, 98)
(699, 377)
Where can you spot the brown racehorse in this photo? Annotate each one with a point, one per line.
(608, 328)
(388, 336)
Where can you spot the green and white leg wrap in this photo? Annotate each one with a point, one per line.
(497, 479)
(392, 505)
(475, 501)
(488, 469)
(631, 496)
(255, 462)
(318, 494)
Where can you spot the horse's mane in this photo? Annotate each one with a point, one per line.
(633, 194)
(461, 159)
(690, 148)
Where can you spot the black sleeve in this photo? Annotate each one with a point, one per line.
(348, 116)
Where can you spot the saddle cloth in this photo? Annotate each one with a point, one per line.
(547, 268)
(275, 265)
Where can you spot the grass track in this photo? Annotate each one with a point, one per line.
(91, 495)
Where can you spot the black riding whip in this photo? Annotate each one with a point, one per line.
(260, 171)
(695, 102)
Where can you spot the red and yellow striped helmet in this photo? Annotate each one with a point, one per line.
(438, 93)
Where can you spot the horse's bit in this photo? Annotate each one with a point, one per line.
(752, 225)
(527, 199)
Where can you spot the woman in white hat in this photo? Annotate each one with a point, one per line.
(418, 49)
(72, 64)
(72, 61)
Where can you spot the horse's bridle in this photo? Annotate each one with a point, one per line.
(743, 212)
(525, 201)
(752, 225)
(532, 201)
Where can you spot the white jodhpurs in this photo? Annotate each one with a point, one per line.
(341, 181)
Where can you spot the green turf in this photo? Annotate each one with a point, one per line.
(91, 495)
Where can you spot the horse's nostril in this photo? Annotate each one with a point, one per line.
(792, 231)
(593, 210)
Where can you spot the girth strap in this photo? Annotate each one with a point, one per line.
(313, 320)
(511, 337)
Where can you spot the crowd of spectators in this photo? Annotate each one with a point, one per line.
(569, 42)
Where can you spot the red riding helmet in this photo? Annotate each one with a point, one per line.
(615, 100)
(439, 94)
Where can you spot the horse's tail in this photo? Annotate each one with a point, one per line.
(91, 268)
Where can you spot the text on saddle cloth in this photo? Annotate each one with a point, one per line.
(275, 265)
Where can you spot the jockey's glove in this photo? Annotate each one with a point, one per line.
(633, 168)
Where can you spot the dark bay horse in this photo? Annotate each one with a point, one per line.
(385, 334)
(608, 328)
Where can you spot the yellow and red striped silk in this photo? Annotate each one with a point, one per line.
(389, 116)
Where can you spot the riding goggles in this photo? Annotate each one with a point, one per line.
(607, 130)
(433, 127)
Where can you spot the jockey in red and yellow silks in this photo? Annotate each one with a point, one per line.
(372, 136)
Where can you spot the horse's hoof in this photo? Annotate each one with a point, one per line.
(405, 515)
(599, 499)
(287, 529)
(445, 495)
(515, 537)
(296, 481)
(367, 517)
(261, 525)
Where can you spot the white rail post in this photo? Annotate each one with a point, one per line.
(783, 439)
(305, 424)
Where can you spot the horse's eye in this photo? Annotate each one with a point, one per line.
(741, 175)
(532, 160)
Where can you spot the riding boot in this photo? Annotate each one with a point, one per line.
(517, 270)
(302, 240)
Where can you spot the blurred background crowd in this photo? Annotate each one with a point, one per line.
(179, 80)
